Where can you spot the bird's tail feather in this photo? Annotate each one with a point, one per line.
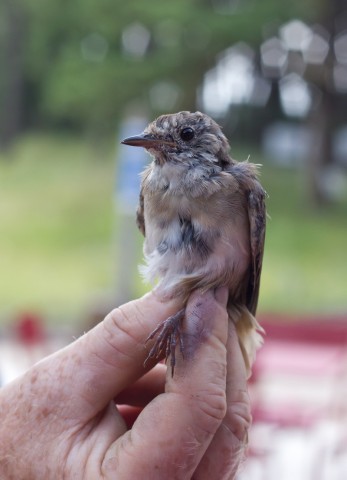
(249, 332)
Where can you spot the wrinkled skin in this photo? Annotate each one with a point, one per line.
(59, 420)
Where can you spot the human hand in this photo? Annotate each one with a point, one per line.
(59, 419)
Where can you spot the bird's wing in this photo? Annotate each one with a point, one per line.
(140, 217)
(257, 224)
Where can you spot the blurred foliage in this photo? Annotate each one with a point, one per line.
(56, 225)
(62, 86)
(58, 253)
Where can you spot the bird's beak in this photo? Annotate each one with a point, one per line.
(146, 141)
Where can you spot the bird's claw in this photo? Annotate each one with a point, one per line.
(167, 333)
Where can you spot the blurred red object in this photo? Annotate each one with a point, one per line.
(30, 329)
(300, 373)
(129, 414)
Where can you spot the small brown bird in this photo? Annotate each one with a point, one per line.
(203, 217)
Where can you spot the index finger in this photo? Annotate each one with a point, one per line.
(172, 433)
(226, 451)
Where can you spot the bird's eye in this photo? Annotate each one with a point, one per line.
(187, 134)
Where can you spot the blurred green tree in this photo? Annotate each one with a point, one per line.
(77, 64)
(13, 23)
(324, 119)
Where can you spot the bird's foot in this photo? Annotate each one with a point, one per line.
(168, 334)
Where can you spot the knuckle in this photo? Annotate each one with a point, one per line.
(212, 406)
(118, 320)
(212, 400)
(119, 332)
(238, 416)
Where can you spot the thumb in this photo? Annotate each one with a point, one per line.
(109, 357)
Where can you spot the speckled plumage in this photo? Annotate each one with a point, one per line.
(203, 217)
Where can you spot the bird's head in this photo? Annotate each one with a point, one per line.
(184, 137)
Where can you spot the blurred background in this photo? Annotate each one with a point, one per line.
(75, 78)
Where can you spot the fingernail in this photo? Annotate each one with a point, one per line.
(221, 294)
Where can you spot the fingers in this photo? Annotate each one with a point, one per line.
(100, 364)
(226, 451)
(172, 433)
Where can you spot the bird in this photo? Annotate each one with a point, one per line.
(203, 216)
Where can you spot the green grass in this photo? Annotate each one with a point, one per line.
(58, 230)
(56, 225)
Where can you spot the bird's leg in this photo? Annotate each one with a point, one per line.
(167, 333)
